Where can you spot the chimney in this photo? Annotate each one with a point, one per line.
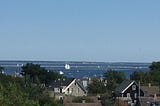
(149, 85)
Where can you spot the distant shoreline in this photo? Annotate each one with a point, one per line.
(70, 61)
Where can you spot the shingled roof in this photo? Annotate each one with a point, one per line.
(66, 82)
(125, 84)
(81, 86)
(150, 91)
(62, 82)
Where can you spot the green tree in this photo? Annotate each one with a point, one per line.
(96, 87)
(13, 96)
(143, 77)
(14, 93)
(36, 74)
(1, 69)
(155, 66)
(153, 76)
(107, 99)
(155, 72)
(114, 78)
(32, 70)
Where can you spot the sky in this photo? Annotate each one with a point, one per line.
(80, 30)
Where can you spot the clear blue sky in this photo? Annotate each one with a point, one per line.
(80, 30)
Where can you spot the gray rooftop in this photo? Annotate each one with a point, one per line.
(123, 85)
(62, 82)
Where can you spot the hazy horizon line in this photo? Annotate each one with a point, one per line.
(34, 60)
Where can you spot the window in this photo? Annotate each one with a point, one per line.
(135, 95)
(60, 90)
(128, 95)
(72, 90)
(61, 97)
(133, 87)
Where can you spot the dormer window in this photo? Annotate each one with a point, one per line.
(133, 87)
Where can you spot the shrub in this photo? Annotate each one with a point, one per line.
(81, 99)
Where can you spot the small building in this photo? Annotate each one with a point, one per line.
(151, 95)
(151, 91)
(67, 86)
(129, 91)
(91, 101)
(85, 81)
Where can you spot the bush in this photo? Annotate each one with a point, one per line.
(81, 99)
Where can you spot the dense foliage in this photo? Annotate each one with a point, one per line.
(111, 80)
(155, 73)
(143, 77)
(96, 87)
(1, 69)
(28, 90)
(82, 99)
(153, 76)
(36, 74)
(114, 78)
(107, 99)
(12, 92)
(106, 87)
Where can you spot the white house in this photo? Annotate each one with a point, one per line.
(67, 86)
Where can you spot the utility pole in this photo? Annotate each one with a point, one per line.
(139, 92)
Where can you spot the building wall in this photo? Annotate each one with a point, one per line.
(51, 93)
(67, 101)
(134, 93)
(57, 90)
(83, 104)
(74, 90)
(85, 83)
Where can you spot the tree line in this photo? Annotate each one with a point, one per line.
(28, 90)
(36, 74)
(152, 76)
(113, 79)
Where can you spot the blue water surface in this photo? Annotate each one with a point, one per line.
(79, 69)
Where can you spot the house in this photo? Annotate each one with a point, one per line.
(91, 101)
(67, 86)
(129, 91)
(85, 81)
(151, 91)
(150, 101)
(151, 95)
